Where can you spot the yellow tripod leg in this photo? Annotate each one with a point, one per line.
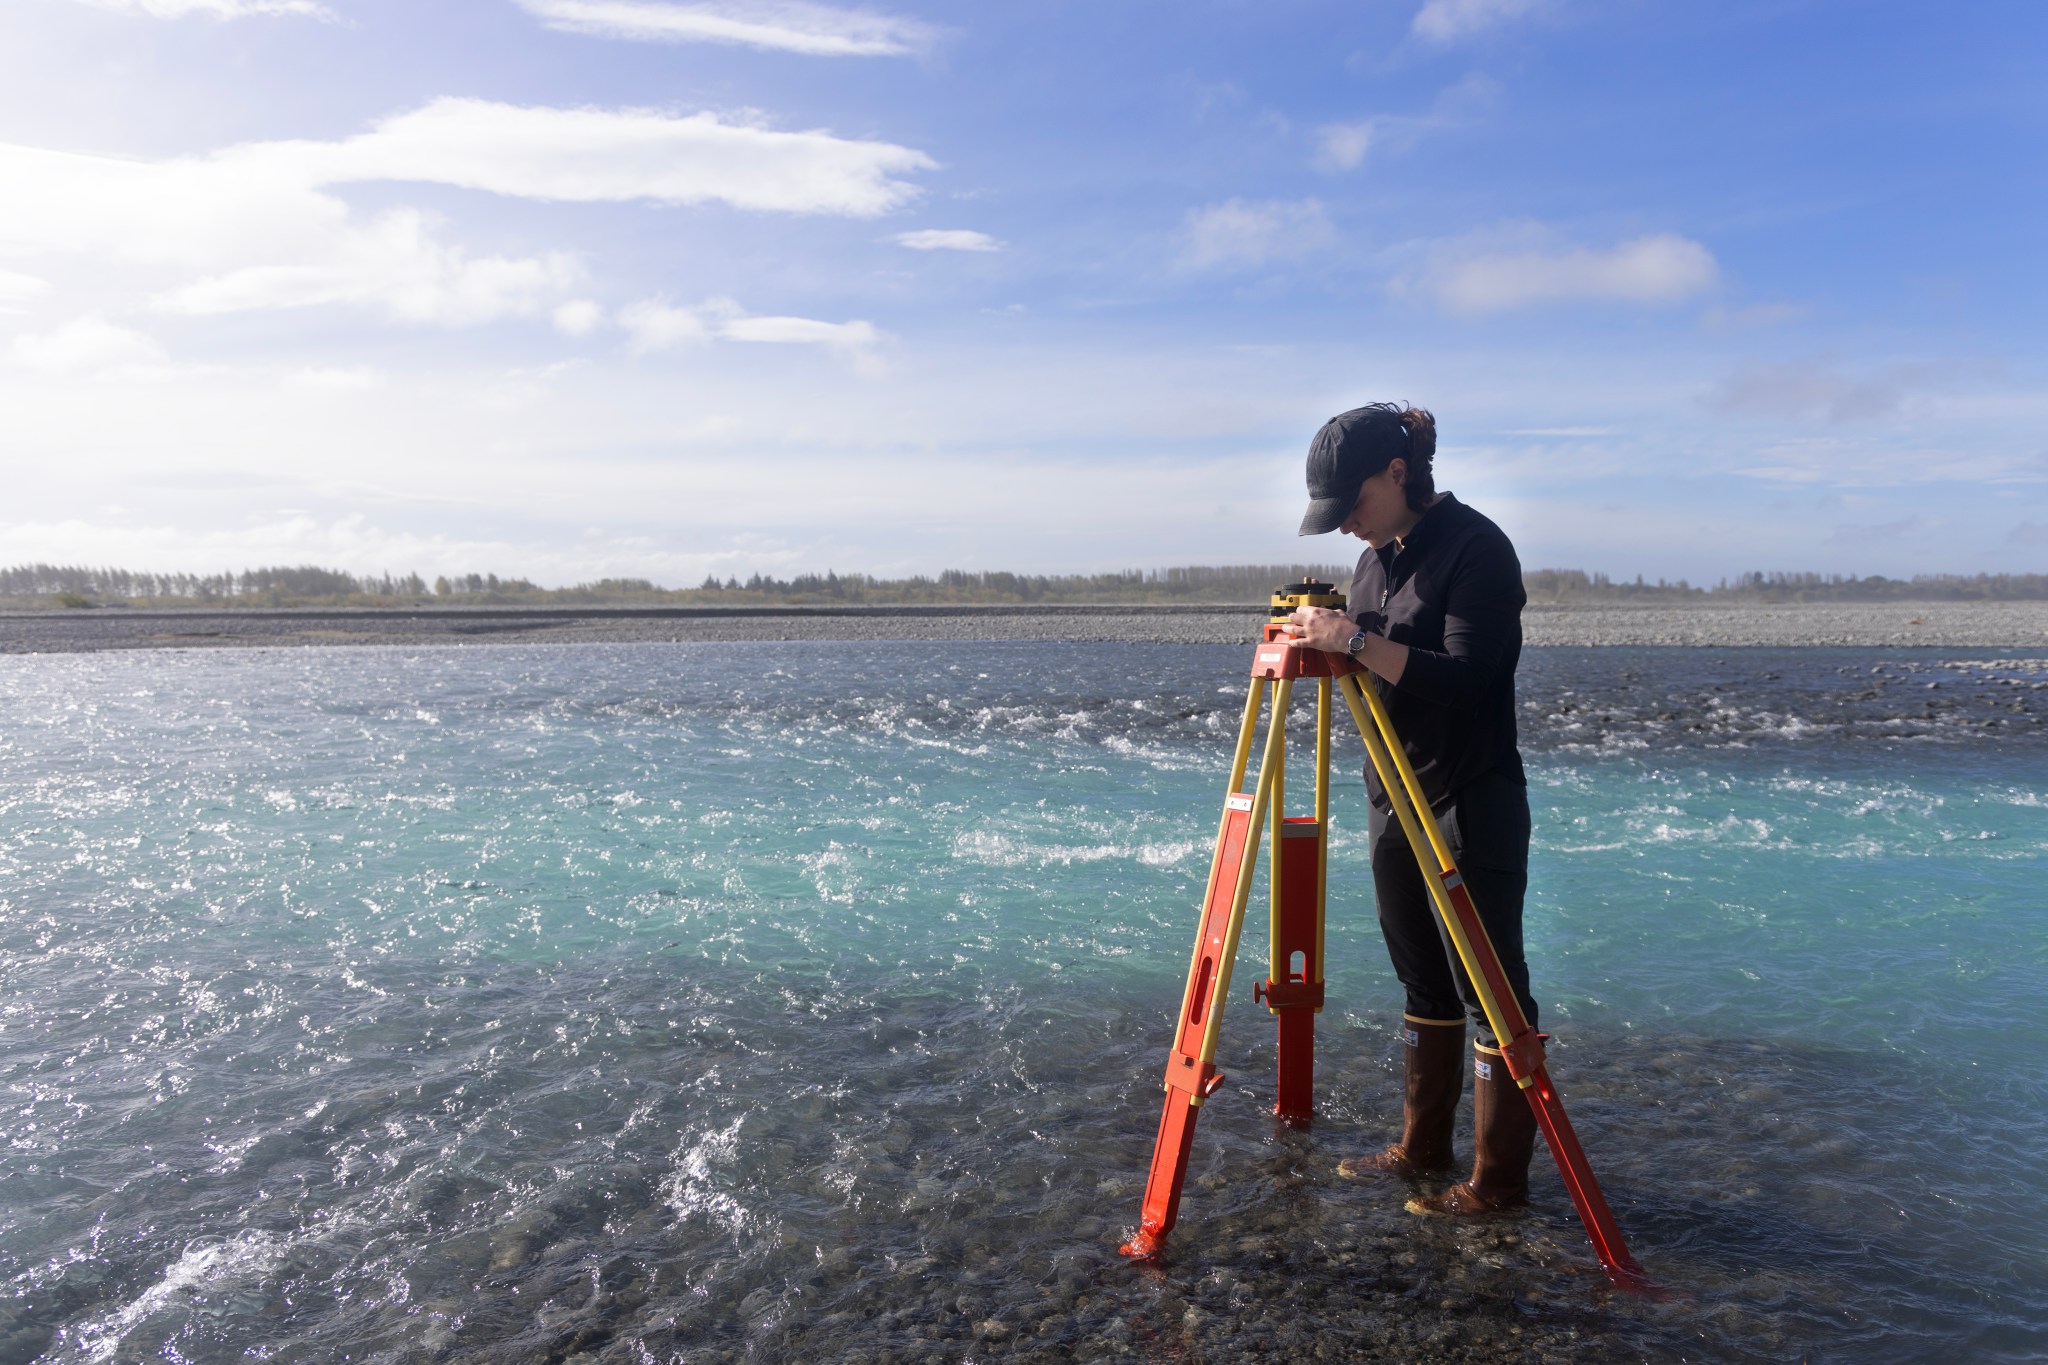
(1269, 776)
(1240, 758)
(1418, 823)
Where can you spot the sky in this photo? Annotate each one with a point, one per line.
(570, 289)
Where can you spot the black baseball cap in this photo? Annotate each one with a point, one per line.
(1351, 448)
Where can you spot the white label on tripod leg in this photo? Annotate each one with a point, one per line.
(1238, 801)
(1453, 880)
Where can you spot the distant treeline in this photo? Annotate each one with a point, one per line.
(308, 585)
(1574, 585)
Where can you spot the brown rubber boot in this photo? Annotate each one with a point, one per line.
(1435, 1077)
(1503, 1141)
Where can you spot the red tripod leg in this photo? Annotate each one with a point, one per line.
(1189, 1078)
(1297, 997)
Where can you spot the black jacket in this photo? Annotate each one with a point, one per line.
(1453, 594)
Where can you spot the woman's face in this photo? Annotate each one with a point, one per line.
(1381, 513)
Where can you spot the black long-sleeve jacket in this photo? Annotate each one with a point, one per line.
(1452, 593)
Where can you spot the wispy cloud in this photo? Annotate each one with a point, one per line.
(87, 345)
(392, 263)
(1884, 459)
(843, 336)
(18, 288)
(257, 226)
(948, 239)
(330, 379)
(1754, 315)
(1475, 277)
(1854, 535)
(1446, 21)
(1242, 232)
(598, 155)
(1803, 389)
(656, 325)
(778, 25)
(215, 9)
(1342, 146)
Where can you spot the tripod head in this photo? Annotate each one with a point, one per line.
(1275, 660)
(1307, 593)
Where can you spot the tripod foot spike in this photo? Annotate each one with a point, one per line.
(1143, 1246)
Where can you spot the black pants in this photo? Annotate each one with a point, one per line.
(1487, 826)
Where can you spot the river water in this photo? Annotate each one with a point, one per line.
(785, 1002)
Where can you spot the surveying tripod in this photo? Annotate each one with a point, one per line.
(1293, 988)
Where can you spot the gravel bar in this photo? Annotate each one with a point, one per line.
(1994, 625)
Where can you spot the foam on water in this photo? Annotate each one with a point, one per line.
(807, 1002)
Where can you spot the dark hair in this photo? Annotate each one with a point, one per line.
(1421, 428)
(1421, 453)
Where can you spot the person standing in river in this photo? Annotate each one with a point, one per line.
(1436, 617)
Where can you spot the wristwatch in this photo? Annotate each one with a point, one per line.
(1357, 643)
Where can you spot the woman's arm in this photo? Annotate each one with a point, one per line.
(1483, 602)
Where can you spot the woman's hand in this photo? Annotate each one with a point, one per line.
(1320, 628)
(1327, 629)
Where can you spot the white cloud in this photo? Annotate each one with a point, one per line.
(597, 155)
(948, 239)
(85, 345)
(352, 542)
(17, 288)
(320, 379)
(393, 264)
(780, 25)
(1446, 21)
(1658, 269)
(844, 336)
(516, 465)
(653, 325)
(1239, 232)
(578, 317)
(217, 9)
(257, 226)
(1342, 146)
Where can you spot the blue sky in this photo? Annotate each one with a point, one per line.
(573, 288)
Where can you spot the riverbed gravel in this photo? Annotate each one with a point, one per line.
(1725, 625)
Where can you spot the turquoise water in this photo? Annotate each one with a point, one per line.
(773, 1002)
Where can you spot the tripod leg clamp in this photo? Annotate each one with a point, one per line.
(1282, 995)
(1524, 1056)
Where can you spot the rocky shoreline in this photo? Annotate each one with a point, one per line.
(1994, 625)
